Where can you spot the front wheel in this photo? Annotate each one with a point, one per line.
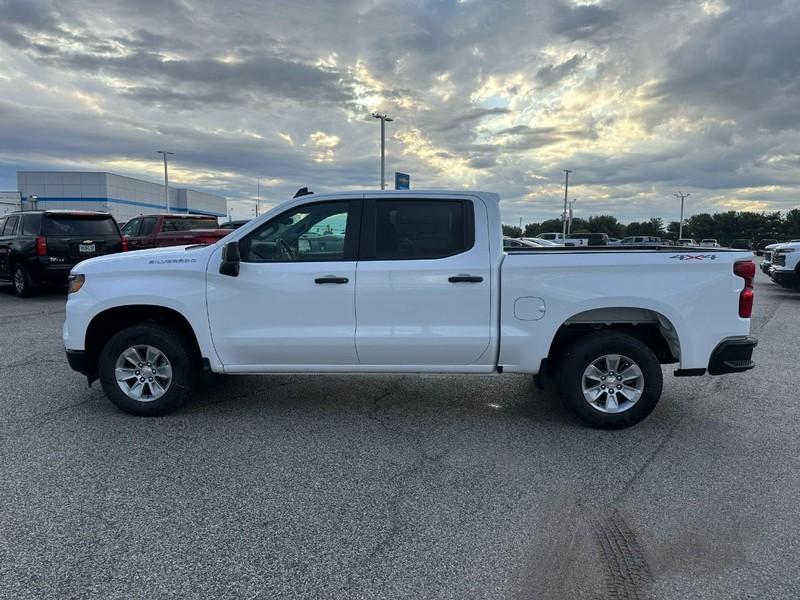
(147, 370)
(611, 380)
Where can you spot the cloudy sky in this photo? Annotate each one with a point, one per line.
(640, 98)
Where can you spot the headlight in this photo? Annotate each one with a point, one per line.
(75, 282)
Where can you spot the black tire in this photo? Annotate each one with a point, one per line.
(173, 345)
(592, 347)
(23, 283)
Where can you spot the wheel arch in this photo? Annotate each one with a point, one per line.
(113, 320)
(649, 326)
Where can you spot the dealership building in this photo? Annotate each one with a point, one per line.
(9, 201)
(123, 197)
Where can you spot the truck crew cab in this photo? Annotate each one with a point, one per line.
(408, 281)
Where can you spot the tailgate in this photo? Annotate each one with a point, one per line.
(80, 248)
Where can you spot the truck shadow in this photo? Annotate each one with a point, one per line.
(382, 396)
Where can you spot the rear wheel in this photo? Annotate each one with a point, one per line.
(146, 370)
(23, 283)
(611, 380)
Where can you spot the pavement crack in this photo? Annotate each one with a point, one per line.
(42, 418)
(374, 412)
(27, 361)
(19, 317)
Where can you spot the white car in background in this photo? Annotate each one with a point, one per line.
(785, 267)
(766, 256)
(558, 238)
(539, 241)
(686, 242)
(709, 243)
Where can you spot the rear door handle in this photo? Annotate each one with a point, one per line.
(331, 279)
(465, 279)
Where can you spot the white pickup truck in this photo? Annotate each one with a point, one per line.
(783, 264)
(407, 281)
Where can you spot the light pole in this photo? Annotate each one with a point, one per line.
(566, 191)
(683, 197)
(384, 119)
(258, 195)
(569, 227)
(166, 178)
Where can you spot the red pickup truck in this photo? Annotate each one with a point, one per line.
(154, 231)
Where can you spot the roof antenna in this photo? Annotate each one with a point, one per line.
(303, 191)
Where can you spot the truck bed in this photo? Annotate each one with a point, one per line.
(679, 288)
(626, 248)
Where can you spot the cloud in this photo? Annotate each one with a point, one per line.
(583, 21)
(472, 116)
(552, 74)
(638, 97)
(743, 65)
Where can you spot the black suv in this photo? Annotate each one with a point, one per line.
(742, 244)
(41, 246)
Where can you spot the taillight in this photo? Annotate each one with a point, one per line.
(746, 269)
(124, 244)
(41, 246)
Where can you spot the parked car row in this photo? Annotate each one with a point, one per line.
(601, 239)
(40, 247)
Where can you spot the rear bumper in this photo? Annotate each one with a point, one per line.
(44, 270)
(732, 355)
(55, 273)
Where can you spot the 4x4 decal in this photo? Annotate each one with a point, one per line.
(694, 256)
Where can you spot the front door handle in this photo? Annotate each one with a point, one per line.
(465, 279)
(331, 279)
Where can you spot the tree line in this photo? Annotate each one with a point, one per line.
(723, 226)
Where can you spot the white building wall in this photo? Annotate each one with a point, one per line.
(200, 202)
(124, 197)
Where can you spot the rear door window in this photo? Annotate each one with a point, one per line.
(422, 229)
(189, 224)
(148, 225)
(31, 224)
(79, 225)
(10, 226)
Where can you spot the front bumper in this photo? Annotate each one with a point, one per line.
(787, 277)
(765, 267)
(732, 355)
(77, 361)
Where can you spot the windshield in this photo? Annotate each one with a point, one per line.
(79, 225)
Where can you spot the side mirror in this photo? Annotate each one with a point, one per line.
(231, 259)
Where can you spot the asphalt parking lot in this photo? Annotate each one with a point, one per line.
(396, 486)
